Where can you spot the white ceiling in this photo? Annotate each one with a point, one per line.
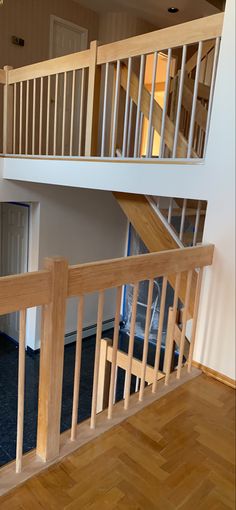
(155, 11)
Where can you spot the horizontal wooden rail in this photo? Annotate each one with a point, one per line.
(97, 276)
(136, 367)
(64, 64)
(23, 291)
(202, 29)
(2, 76)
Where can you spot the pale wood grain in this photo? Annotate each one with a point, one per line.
(51, 362)
(186, 33)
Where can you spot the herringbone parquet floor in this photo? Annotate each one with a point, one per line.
(175, 454)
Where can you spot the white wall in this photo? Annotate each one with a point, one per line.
(80, 225)
(216, 333)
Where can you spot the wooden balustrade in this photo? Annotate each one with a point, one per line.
(55, 107)
(50, 289)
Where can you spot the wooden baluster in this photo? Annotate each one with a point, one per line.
(114, 352)
(116, 109)
(40, 115)
(140, 91)
(146, 339)
(91, 99)
(64, 114)
(96, 360)
(195, 317)
(81, 113)
(77, 368)
(33, 116)
(131, 347)
(72, 113)
(104, 110)
(126, 116)
(14, 117)
(55, 118)
(185, 317)
(172, 327)
(7, 115)
(51, 361)
(21, 392)
(20, 117)
(27, 118)
(159, 335)
(48, 115)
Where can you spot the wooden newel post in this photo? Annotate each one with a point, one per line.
(7, 115)
(92, 120)
(51, 362)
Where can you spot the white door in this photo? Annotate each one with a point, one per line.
(66, 38)
(14, 254)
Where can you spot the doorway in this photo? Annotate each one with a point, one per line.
(66, 38)
(14, 249)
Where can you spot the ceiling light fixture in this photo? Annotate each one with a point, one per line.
(173, 10)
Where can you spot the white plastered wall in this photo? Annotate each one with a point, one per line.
(215, 346)
(80, 225)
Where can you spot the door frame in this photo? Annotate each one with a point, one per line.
(68, 24)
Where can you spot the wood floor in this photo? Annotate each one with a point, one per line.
(178, 453)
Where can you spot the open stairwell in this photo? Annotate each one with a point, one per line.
(153, 225)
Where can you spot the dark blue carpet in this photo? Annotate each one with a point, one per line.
(8, 389)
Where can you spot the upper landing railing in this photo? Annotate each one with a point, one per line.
(148, 96)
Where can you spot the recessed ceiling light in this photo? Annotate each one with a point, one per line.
(173, 10)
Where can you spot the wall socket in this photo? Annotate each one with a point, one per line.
(17, 40)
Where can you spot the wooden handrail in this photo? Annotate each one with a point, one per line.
(191, 32)
(97, 276)
(34, 289)
(71, 62)
(24, 291)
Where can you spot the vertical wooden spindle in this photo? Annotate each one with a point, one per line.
(40, 115)
(185, 318)
(55, 118)
(172, 327)
(159, 335)
(20, 117)
(146, 339)
(96, 360)
(72, 112)
(114, 351)
(195, 317)
(81, 113)
(27, 118)
(48, 115)
(21, 392)
(115, 113)
(77, 368)
(14, 117)
(131, 347)
(33, 116)
(64, 114)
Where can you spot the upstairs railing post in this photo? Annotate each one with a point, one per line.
(91, 136)
(51, 362)
(7, 115)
